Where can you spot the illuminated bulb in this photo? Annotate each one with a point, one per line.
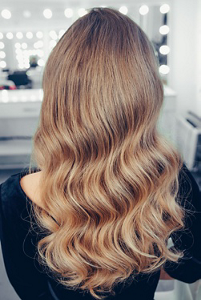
(144, 9)
(9, 35)
(6, 14)
(164, 29)
(61, 33)
(165, 8)
(1, 35)
(164, 69)
(164, 50)
(38, 44)
(2, 54)
(53, 34)
(2, 64)
(39, 34)
(17, 45)
(29, 35)
(123, 10)
(47, 13)
(41, 62)
(1, 45)
(24, 45)
(82, 12)
(68, 12)
(19, 35)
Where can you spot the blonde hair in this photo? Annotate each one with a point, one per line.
(109, 180)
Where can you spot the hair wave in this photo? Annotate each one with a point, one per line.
(109, 180)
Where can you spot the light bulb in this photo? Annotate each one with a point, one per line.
(29, 35)
(164, 69)
(53, 34)
(2, 45)
(52, 44)
(19, 35)
(9, 35)
(24, 45)
(164, 49)
(165, 8)
(164, 29)
(144, 9)
(47, 13)
(41, 62)
(39, 34)
(2, 64)
(68, 12)
(2, 54)
(17, 45)
(6, 14)
(123, 10)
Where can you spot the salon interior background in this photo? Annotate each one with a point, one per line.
(184, 37)
(30, 29)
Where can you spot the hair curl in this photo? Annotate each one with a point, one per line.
(109, 180)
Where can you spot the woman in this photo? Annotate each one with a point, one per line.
(93, 219)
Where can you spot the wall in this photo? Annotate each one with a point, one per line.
(183, 77)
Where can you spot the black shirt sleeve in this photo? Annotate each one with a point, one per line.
(188, 240)
(18, 248)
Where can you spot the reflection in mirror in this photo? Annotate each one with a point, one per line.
(26, 41)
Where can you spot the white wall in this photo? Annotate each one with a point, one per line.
(183, 59)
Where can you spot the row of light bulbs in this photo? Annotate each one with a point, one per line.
(7, 97)
(29, 35)
(143, 10)
(22, 55)
(47, 13)
(163, 49)
(164, 29)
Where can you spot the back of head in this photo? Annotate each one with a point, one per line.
(109, 179)
(102, 82)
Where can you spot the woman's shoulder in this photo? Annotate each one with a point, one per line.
(14, 197)
(30, 186)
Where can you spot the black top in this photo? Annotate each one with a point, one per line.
(32, 283)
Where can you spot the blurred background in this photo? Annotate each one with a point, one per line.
(29, 30)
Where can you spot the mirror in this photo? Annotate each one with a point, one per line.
(27, 37)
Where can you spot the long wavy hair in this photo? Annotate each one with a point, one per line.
(109, 180)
